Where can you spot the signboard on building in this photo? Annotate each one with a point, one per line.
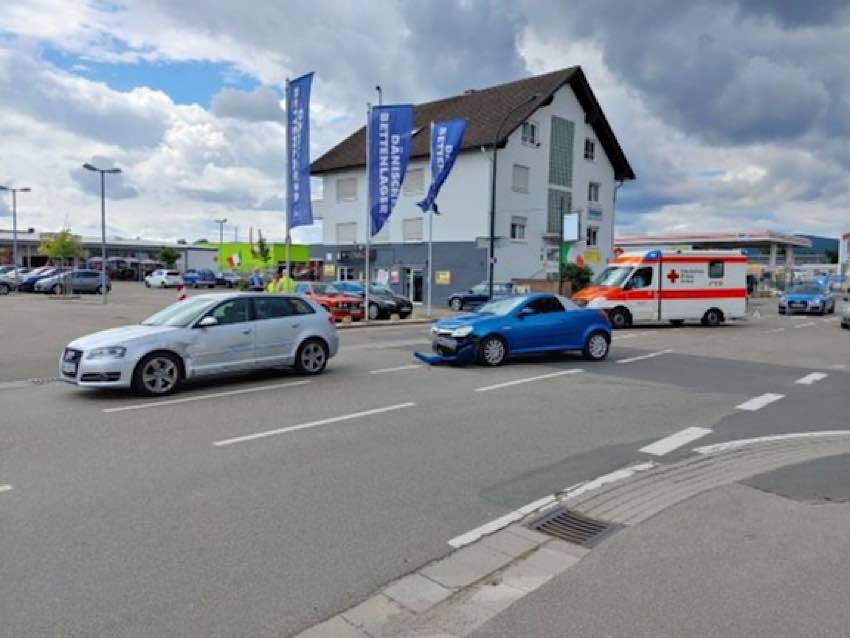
(594, 214)
(328, 270)
(443, 277)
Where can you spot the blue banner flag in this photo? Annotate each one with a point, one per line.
(298, 208)
(446, 139)
(390, 134)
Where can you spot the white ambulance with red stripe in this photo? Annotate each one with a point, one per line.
(705, 286)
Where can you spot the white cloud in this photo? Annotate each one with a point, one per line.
(261, 105)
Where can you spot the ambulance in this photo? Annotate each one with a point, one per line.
(705, 286)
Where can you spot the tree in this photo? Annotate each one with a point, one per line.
(182, 242)
(168, 256)
(200, 242)
(63, 245)
(263, 251)
(578, 276)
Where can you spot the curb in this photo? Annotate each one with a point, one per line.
(385, 323)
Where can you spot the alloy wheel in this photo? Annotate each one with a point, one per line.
(597, 346)
(313, 357)
(494, 351)
(160, 375)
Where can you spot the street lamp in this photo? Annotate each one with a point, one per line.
(15, 192)
(221, 222)
(103, 172)
(528, 100)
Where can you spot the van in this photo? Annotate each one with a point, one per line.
(705, 286)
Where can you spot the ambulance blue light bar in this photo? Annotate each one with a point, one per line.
(653, 255)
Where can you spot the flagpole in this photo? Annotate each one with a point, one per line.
(288, 177)
(368, 227)
(430, 258)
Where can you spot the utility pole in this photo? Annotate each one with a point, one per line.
(221, 222)
(104, 290)
(15, 192)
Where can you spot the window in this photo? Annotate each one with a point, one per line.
(530, 133)
(593, 192)
(715, 269)
(559, 204)
(346, 233)
(520, 180)
(518, 227)
(545, 305)
(641, 279)
(592, 236)
(412, 230)
(344, 273)
(561, 152)
(414, 181)
(346, 189)
(589, 149)
(272, 307)
(233, 311)
(299, 306)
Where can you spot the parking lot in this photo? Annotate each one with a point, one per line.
(263, 504)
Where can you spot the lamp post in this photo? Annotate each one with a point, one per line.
(103, 172)
(221, 222)
(15, 192)
(492, 260)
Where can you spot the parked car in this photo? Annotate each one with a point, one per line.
(206, 334)
(524, 324)
(197, 278)
(807, 298)
(383, 301)
(27, 282)
(229, 279)
(478, 295)
(78, 280)
(6, 269)
(163, 279)
(845, 316)
(339, 304)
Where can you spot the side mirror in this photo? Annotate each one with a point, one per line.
(208, 321)
(526, 312)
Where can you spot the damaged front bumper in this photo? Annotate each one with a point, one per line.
(450, 351)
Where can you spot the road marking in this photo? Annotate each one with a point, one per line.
(499, 523)
(731, 445)
(814, 377)
(605, 479)
(774, 331)
(808, 324)
(201, 397)
(674, 441)
(5, 488)
(312, 424)
(757, 403)
(396, 369)
(540, 377)
(644, 356)
(620, 337)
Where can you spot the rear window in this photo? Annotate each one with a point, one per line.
(300, 307)
(172, 273)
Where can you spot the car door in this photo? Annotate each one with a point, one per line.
(228, 345)
(640, 293)
(277, 327)
(542, 329)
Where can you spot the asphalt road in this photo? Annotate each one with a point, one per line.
(124, 517)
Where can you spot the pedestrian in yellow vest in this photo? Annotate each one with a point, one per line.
(280, 284)
(287, 282)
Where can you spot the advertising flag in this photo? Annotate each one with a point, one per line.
(446, 139)
(390, 134)
(298, 209)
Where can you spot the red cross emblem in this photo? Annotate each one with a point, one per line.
(673, 276)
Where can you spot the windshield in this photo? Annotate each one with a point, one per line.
(377, 289)
(613, 276)
(325, 289)
(806, 290)
(180, 314)
(501, 306)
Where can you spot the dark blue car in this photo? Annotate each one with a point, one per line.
(478, 295)
(197, 278)
(27, 284)
(807, 298)
(523, 324)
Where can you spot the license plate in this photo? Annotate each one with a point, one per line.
(445, 342)
(69, 367)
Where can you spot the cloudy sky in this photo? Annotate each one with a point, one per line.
(734, 115)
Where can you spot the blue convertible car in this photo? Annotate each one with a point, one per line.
(523, 324)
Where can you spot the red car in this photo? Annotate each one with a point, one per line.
(338, 304)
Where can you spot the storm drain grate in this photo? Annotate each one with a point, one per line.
(573, 527)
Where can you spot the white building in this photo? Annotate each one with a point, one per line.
(556, 155)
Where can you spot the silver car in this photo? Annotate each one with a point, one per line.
(79, 280)
(204, 335)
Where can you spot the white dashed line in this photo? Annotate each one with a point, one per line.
(540, 377)
(396, 369)
(814, 377)
(312, 424)
(5, 488)
(774, 331)
(644, 356)
(757, 403)
(808, 324)
(674, 441)
(202, 397)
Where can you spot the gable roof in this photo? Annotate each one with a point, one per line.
(484, 110)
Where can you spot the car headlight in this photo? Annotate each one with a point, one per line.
(109, 352)
(391, 304)
(463, 331)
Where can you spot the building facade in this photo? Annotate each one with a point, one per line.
(557, 156)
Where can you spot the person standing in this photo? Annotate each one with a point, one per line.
(287, 283)
(255, 281)
(275, 285)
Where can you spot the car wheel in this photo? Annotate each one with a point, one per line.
(596, 346)
(162, 284)
(677, 322)
(712, 318)
(781, 312)
(620, 318)
(312, 357)
(99, 290)
(157, 374)
(230, 284)
(492, 351)
(57, 289)
(147, 284)
(5, 289)
(374, 311)
(456, 304)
